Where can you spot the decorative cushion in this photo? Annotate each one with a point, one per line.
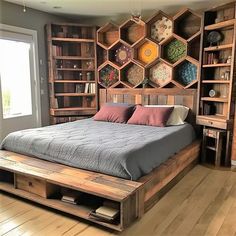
(178, 115)
(114, 113)
(153, 116)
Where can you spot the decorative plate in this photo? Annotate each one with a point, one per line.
(174, 51)
(214, 37)
(161, 29)
(186, 73)
(134, 74)
(148, 52)
(123, 54)
(161, 73)
(108, 76)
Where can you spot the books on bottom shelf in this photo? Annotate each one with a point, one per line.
(90, 88)
(107, 212)
(71, 197)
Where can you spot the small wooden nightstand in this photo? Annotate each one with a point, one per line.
(213, 140)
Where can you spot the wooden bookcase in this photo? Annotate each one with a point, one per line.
(157, 51)
(216, 108)
(72, 71)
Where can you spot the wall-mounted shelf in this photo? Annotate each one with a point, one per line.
(132, 32)
(108, 35)
(187, 24)
(159, 27)
(154, 48)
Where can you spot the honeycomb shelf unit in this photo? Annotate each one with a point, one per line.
(72, 71)
(216, 88)
(153, 48)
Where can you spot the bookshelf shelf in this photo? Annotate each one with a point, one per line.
(215, 81)
(72, 71)
(74, 81)
(74, 94)
(73, 40)
(218, 99)
(220, 25)
(217, 65)
(218, 48)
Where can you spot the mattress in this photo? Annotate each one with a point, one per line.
(122, 150)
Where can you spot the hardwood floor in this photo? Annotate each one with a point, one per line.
(202, 203)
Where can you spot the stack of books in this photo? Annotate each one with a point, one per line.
(108, 212)
(71, 197)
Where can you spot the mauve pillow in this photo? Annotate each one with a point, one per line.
(117, 114)
(153, 116)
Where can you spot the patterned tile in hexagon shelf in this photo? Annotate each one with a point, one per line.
(123, 54)
(160, 73)
(161, 29)
(185, 73)
(134, 74)
(174, 51)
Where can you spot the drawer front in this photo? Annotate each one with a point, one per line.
(210, 123)
(32, 185)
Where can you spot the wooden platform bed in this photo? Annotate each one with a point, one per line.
(41, 181)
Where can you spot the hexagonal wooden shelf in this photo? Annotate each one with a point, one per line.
(132, 32)
(173, 49)
(185, 72)
(103, 55)
(146, 52)
(160, 74)
(108, 35)
(187, 24)
(194, 48)
(120, 54)
(132, 74)
(159, 27)
(108, 75)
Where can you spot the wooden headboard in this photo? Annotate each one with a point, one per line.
(164, 96)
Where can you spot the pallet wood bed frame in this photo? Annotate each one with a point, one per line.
(41, 181)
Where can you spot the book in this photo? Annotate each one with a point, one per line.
(86, 88)
(107, 212)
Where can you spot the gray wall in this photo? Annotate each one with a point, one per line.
(12, 14)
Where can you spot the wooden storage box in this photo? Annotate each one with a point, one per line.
(33, 185)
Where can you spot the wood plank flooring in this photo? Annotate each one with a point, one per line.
(202, 203)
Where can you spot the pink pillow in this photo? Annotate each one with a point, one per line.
(117, 114)
(154, 116)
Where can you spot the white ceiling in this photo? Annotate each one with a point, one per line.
(112, 7)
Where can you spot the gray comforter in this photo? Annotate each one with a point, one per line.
(126, 151)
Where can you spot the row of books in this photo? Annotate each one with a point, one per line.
(210, 58)
(109, 211)
(87, 88)
(56, 50)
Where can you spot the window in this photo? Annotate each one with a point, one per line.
(15, 78)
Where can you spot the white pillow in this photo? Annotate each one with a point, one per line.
(178, 115)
